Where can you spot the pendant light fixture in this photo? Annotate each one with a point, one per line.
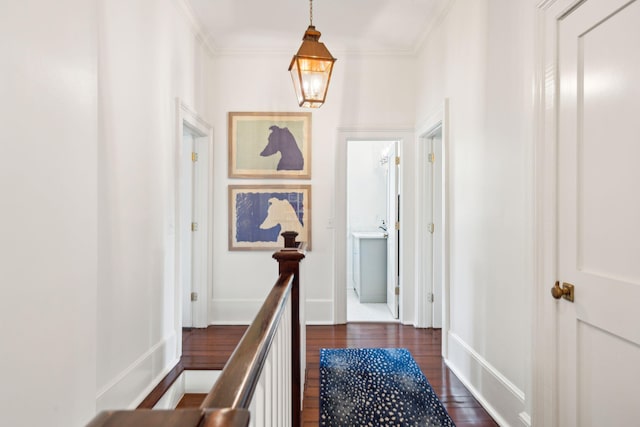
(311, 68)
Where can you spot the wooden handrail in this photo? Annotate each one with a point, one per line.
(227, 403)
(237, 382)
(172, 418)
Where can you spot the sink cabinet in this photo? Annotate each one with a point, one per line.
(370, 266)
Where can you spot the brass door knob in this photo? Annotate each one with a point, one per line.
(566, 291)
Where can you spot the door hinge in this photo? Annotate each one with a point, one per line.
(194, 296)
(194, 157)
(397, 160)
(430, 297)
(431, 227)
(397, 225)
(432, 158)
(194, 226)
(397, 290)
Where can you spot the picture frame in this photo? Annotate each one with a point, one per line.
(269, 145)
(258, 214)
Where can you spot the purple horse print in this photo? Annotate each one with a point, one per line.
(282, 140)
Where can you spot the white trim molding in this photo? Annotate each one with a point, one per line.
(319, 311)
(143, 374)
(438, 119)
(189, 381)
(502, 399)
(187, 12)
(233, 311)
(203, 260)
(544, 409)
(406, 143)
(525, 419)
(243, 311)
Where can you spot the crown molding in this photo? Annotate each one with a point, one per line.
(545, 4)
(187, 12)
(203, 37)
(338, 53)
(432, 24)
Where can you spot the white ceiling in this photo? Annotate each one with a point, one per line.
(352, 26)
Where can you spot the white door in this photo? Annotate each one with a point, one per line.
(194, 205)
(437, 230)
(393, 218)
(429, 221)
(598, 230)
(186, 220)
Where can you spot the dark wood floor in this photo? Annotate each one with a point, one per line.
(424, 345)
(210, 348)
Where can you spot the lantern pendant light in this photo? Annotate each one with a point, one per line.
(311, 67)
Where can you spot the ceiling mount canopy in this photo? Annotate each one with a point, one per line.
(311, 67)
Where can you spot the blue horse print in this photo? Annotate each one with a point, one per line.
(282, 140)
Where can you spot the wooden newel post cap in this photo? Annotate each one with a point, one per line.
(291, 250)
(290, 239)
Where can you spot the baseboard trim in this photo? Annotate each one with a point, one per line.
(189, 381)
(319, 312)
(243, 311)
(525, 419)
(133, 384)
(171, 396)
(499, 396)
(233, 311)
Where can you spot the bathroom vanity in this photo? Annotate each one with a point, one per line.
(370, 266)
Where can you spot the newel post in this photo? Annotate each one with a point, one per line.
(289, 262)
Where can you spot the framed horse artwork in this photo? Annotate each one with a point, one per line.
(270, 145)
(258, 214)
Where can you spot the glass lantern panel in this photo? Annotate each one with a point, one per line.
(314, 85)
(295, 76)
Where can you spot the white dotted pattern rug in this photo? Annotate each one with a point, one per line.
(376, 387)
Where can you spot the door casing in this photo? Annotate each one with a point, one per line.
(405, 137)
(202, 261)
(439, 119)
(544, 409)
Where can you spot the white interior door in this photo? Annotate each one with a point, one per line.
(433, 255)
(186, 219)
(393, 218)
(437, 230)
(598, 230)
(201, 233)
(428, 232)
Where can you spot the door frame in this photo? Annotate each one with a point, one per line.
(405, 138)
(544, 408)
(437, 120)
(393, 201)
(186, 116)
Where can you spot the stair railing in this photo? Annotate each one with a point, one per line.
(261, 383)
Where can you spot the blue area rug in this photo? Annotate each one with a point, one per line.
(376, 387)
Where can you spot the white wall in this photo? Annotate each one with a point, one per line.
(90, 314)
(149, 56)
(481, 58)
(366, 192)
(88, 219)
(365, 93)
(367, 185)
(48, 224)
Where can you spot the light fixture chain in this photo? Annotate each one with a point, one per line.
(311, 12)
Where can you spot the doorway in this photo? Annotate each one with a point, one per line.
(433, 233)
(432, 272)
(587, 339)
(372, 234)
(193, 237)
